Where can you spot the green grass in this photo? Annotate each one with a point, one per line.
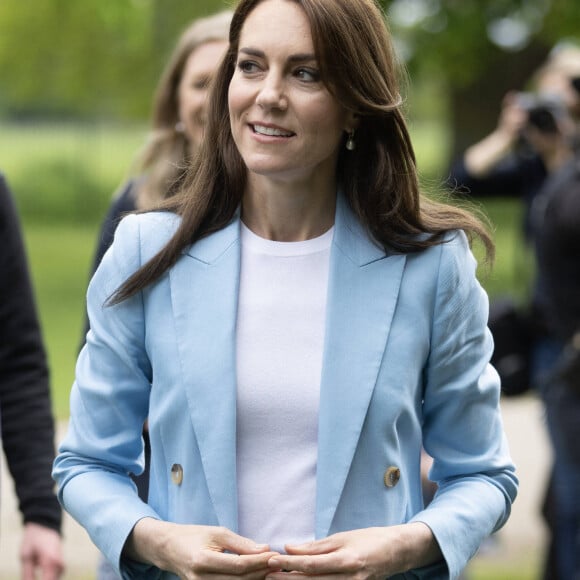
(60, 258)
(105, 149)
(66, 173)
(514, 264)
(63, 178)
(490, 568)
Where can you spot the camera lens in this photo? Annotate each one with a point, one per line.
(543, 119)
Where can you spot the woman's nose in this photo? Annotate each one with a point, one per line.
(272, 93)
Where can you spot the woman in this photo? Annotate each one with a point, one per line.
(294, 346)
(179, 118)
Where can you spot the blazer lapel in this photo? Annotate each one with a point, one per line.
(363, 288)
(204, 292)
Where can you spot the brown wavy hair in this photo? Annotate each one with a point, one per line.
(379, 178)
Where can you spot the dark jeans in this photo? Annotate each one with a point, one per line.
(563, 421)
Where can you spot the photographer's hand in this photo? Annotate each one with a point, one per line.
(484, 155)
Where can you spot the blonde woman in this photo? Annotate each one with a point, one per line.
(179, 119)
(178, 123)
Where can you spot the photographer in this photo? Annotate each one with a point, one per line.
(531, 139)
(529, 151)
(556, 215)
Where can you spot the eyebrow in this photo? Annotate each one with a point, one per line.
(299, 57)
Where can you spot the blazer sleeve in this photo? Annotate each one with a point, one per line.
(463, 429)
(109, 403)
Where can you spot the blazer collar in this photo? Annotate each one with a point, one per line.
(211, 248)
(350, 238)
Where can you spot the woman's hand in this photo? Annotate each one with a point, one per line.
(195, 552)
(365, 554)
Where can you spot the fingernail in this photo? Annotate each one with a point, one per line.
(273, 562)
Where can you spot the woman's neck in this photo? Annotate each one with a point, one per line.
(288, 212)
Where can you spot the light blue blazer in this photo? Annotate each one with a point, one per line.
(405, 364)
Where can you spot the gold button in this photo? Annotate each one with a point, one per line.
(392, 476)
(176, 474)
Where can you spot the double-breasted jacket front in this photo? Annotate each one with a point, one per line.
(405, 365)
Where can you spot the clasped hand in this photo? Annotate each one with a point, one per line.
(208, 552)
(364, 554)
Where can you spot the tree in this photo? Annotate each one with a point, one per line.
(102, 58)
(478, 50)
(89, 58)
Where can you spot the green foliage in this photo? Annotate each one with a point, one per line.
(89, 58)
(563, 20)
(100, 58)
(60, 256)
(455, 40)
(66, 193)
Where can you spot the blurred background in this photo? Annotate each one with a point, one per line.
(76, 85)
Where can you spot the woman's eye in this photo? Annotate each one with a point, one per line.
(247, 66)
(308, 75)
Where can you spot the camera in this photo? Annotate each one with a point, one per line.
(543, 111)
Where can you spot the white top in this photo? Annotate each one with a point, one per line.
(280, 339)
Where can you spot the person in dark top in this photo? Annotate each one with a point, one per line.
(533, 140)
(557, 216)
(27, 427)
(532, 144)
(558, 248)
(526, 145)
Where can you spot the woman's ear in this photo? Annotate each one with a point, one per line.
(352, 122)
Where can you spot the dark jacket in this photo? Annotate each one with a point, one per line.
(122, 205)
(27, 426)
(557, 222)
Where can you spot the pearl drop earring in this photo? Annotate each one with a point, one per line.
(350, 142)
